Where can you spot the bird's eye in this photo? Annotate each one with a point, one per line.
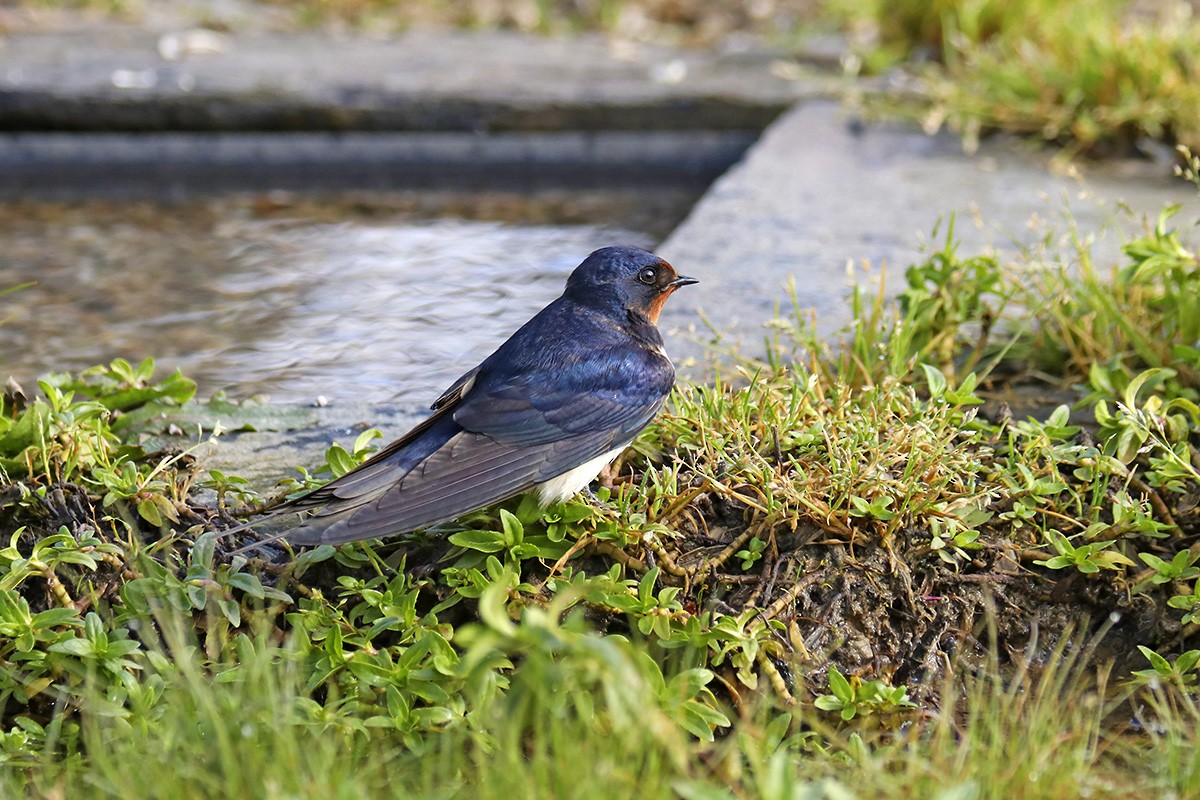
(648, 276)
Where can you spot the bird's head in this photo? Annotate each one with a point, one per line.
(625, 277)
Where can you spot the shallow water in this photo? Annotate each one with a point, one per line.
(366, 300)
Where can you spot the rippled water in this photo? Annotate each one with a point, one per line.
(349, 301)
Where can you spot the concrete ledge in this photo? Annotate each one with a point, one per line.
(56, 166)
(822, 191)
(129, 80)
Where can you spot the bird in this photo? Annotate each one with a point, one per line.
(547, 411)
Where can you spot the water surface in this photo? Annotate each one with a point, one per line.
(366, 300)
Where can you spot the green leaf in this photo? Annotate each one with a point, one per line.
(248, 583)
(166, 508)
(700, 720)
(645, 590)
(77, 557)
(1187, 661)
(121, 387)
(203, 550)
(78, 646)
(965, 395)
(547, 547)
(483, 541)
(1059, 417)
(1153, 561)
(29, 429)
(340, 462)
(493, 609)
(316, 555)
(231, 610)
(514, 531)
(432, 717)
(53, 617)
(361, 444)
(935, 380)
(1160, 664)
(840, 686)
(121, 648)
(827, 702)
(1151, 377)
(149, 511)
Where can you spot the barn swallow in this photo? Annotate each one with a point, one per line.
(559, 400)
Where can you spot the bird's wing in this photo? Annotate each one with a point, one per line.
(397, 458)
(457, 391)
(621, 392)
(508, 434)
(384, 467)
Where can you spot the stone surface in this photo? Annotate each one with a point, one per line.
(820, 191)
(134, 79)
(267, 457)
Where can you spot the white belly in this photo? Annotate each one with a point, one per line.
(571, 482)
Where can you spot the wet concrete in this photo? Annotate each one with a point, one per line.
(822, 190)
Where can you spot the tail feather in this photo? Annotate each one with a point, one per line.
(353, 491)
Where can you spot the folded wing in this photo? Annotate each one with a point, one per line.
(493, 436)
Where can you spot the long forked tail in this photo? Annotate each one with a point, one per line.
(343, 496)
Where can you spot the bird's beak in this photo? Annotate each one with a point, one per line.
(682, 280)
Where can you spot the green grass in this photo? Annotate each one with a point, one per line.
(835, 571)
(1095, 75)
(582, 722)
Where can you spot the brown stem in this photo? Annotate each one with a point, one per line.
(1156, 501)
(776, 680)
